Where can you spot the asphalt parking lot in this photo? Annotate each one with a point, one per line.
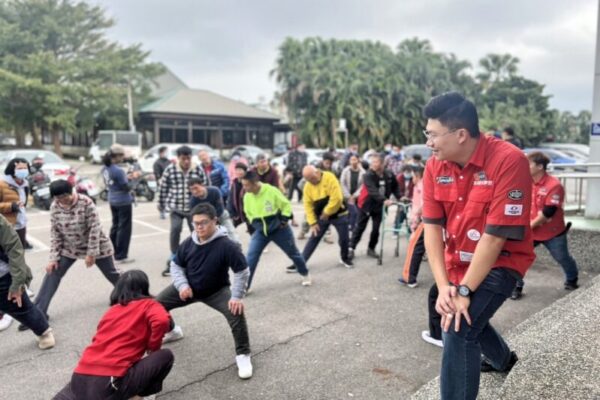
(355, 334)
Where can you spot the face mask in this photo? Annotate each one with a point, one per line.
(407, 177)
(21, 173)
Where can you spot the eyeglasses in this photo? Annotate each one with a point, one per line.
(202, 224)
(431, 136)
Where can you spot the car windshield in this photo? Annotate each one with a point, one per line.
(128, 138)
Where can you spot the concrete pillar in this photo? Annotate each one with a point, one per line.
(592, 206)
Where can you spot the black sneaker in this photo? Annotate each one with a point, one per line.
(487, 367)
(372, 253)
(571, 285)
(517, 293)
(350, 253)
(167, 271)
(23, 328)
(291, 269)
(347, 262)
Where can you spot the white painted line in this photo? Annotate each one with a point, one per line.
(143, 235)
(146, 224)
(38, 245)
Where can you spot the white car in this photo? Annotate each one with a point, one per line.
(151, 155)
(54, 166)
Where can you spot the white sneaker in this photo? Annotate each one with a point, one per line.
(173, 336)
(30, 292)
(124, 261)
(46, 340)
(306, 281)
(244, 365)
(426, 336)
(5, 321)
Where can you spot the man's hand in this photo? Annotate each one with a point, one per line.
(351, 200)
(445, 303)
(388, 202)
(236, 307)
(89, 261)
(324, 217)
(52, 266)
(186, 294)
(314, 229)
(461, 304)
(16, 297)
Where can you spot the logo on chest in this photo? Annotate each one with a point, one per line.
(268, 207)
(444, 180)
(515, 195)
(481, 179)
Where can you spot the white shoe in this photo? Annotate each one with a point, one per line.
(124, 261)
(173, 336)
(306, 281)
(5, 321)
(426, 336)
(46, 340)
(244, 365)
(30, 292)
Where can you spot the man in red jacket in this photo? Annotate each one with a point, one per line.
(548, 220)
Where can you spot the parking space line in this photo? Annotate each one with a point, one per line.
(38, 245)
(148, 225)
(143, 235)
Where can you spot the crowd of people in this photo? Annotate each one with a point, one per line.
(475, 209)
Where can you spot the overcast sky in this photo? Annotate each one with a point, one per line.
(230, 46)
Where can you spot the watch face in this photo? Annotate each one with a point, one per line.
(464, 291)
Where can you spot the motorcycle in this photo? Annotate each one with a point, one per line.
(39, 184)
(83, 185)
(145, 186)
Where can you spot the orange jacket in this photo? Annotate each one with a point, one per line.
(8, 196)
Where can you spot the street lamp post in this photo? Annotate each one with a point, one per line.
(592, 206)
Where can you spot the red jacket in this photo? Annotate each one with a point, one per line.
(124, 334)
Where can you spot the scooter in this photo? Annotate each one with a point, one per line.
(145, 186)
(39, 183)
(83, 185)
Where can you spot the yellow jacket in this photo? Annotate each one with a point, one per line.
(323, 198)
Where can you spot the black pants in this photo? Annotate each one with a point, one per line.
(120, 231)
(219, 301)
(294, 187)
(341, 226)
(28, 314)
(177, 219)
(416, 251)
(144, 378)
(361, 225)
(435, 320)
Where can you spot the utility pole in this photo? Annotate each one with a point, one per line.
(592, 206)
(130, 106)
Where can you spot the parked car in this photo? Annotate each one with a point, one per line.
(555, 156)
(421, 149)
(575, 150)
(131, 141)
(280, 149)
(54, 166)
(249, 152)
(151, 155)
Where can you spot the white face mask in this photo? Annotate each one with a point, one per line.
(21, 173)
(407, 177)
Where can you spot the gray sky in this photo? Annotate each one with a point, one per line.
(230, 46)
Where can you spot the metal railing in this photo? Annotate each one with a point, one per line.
(572, 177)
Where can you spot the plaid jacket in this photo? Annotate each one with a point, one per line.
(174, 193)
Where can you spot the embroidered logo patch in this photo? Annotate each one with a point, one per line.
(474, 235)
(515, 195)
(444, 180)
(513, 209)
(465, 256)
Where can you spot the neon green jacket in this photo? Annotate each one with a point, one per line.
(268, 209)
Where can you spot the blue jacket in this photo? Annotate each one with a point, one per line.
(219, 177)
(119, 190)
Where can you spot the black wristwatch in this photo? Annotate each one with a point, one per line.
(464, 291)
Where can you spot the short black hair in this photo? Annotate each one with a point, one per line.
(196, 181)
(10, 167)
(162, 149)
(380, 156)
(60, 187)
(251, 176)
(205, 209)
(406, 167)
(539, 158)
(241, 165)
(509, 130)
(454, 112)
(417, 169)
(417, 157)
(329, 156)
(132, 285)
(184, 151)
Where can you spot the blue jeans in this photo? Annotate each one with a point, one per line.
(28, 314)
(341, 226)
(559, 250)
(352, 216)
(284, 239)
(461, 360)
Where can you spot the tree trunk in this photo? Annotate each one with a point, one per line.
(36, 134)
(19, 137)
(56, 140)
